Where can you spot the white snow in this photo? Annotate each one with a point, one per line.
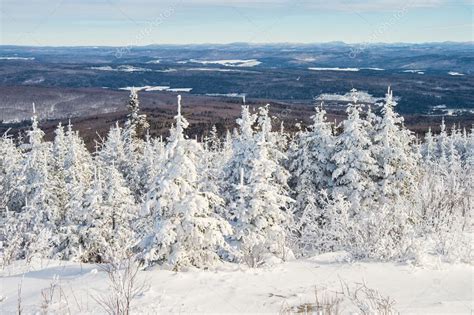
(361, 95)
(414, 71)
(145, 88)
(157, 88)
(166, 70)
(123, 68)
(239, 95)
(149, 88)
(103, 68)
(334, 69)
(344, 69)
(220, 70)
(17, 58)
(180, 90)
(435, 288)
(227, 63)
(34, 80)
(128, 68)
(306, 59)
(457, 111)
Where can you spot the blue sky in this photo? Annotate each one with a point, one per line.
(143, 22)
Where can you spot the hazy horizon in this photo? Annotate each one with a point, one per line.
(176, 22)
(246, 43)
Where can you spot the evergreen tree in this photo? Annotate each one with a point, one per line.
(243, 147)
(109, 212)
(151, 163)
(393, 151)
(185, 230)
(355, 165)
(76, 175)
(260, 203)
(310, 162)
(40, 210)
(136, 123)
(112, 150)
(11, 175)
(428, 148)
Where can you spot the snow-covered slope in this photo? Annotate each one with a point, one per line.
(434, 288)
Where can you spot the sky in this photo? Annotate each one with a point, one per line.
(144, 22)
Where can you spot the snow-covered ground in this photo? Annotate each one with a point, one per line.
(434, 288)
(414, 71)
(228, 63)
(334, 69)
(455, 73)
(221, 70)
(344, 69)
(16, 58)
(150, 88)
(362, 96)
(123, 68)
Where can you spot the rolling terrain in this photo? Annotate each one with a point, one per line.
(88, 84)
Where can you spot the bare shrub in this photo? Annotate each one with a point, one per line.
(47, 296)
(254, 256)
(324, 304)
(368, 301)
(123, 284)
(54, 293)
(19, 307)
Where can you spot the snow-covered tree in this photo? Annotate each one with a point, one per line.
(243, 147)
(11, 175)
(393, 151)
(428, 148)
(367, 188)
(151, 163)
(184, 229)
(469, 156)
(40, 210)
(136, 123)
(355, 165)
(260, 202)
(107, 219)
(310, 162)
(212, 162)
(335, 230)
(227, 147)
(133, 145)
(112, 150)
(444, 196)
(74, 170)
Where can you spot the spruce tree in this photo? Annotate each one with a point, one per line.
(184, 229)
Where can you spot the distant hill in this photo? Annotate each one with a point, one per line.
(429, 79)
